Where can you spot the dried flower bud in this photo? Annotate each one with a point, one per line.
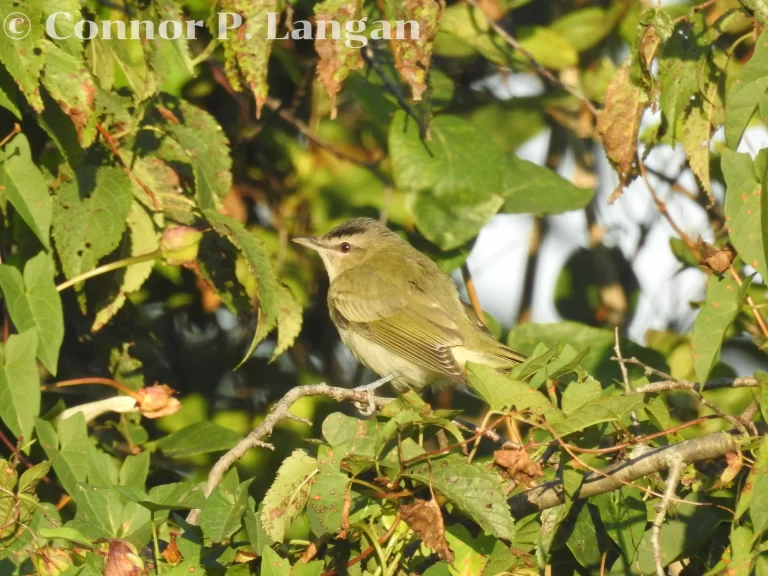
(50, 561)
(157, 401)
(180, 244)
(122, 560)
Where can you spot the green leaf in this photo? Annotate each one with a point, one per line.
(325, 505)
(31, 477)
(99, 511)
(678, 73)
(23, 185)
(33, 302)
(744, 209)
(713, 320)
(471, 553)
(198, 438)
(624, 517)
(90, 217)
(587, 27)
(20, 384)
(23, 57)
(681, 535)
(501, 392)
(273, 565)
(143, 239)
(454, 178)
(103, 469)
(550, 48)
(222, 512)
(134, 470)
(578, 394)
(604, 409)
(473, 489)
(314, 568)
(532, 189)
(70, 84)
(584, 538)
(261, 270)
(763, 378)
(9, 94)
(67, 533)
(597, 361)
(257, 536)
(204, 143)
(288, 494)
(168, 57)
(758, 507)
(67, 450)
(742, 99)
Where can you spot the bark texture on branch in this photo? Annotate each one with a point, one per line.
(551, 494)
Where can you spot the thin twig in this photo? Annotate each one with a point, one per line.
(11, 134)
(732, 420)
(676, 465)
(748, 298)
(661, 207)
(472, 293)
(512, 41)
(112, 143)
(625, 377)
(280, 412)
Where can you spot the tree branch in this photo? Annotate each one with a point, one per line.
(280, 412)
(551, 494)
(676, 466)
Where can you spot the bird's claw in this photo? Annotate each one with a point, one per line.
(369, 406)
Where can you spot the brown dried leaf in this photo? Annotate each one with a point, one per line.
(519, 466)
(413, 56)
(172, 554)
(618, 124)
(247, 50)
(426, 520)
(336, 59)
(717, 258)
(122, 560)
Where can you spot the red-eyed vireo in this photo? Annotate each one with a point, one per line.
(397, 312)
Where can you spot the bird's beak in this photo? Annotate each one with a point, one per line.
(308, 241)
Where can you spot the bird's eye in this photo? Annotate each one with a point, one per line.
(345, 247)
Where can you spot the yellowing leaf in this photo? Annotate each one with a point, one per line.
(336, 59)
(618, 124)
(288, 494)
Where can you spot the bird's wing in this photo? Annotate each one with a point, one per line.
(406, 321)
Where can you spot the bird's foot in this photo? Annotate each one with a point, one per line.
(369, 406)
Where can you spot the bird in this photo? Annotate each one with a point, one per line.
(398, 312)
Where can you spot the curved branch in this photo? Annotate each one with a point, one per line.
(551, 494)
(280, 412)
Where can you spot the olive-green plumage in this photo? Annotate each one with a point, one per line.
(398, 312)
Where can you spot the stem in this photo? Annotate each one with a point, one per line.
(155, 544)
(375, 543)
(80, 381)
(116, 265)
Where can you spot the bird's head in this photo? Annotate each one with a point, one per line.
(350, 244)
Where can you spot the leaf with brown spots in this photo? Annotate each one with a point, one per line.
(337, 59)
(697, 132)
(426, 520)
(327, 501)
(744, 205)
(71, 85)
(618, 124)
(519, 466)
(288, 494)
(249, 46)
(715, 317)
(413, 56)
